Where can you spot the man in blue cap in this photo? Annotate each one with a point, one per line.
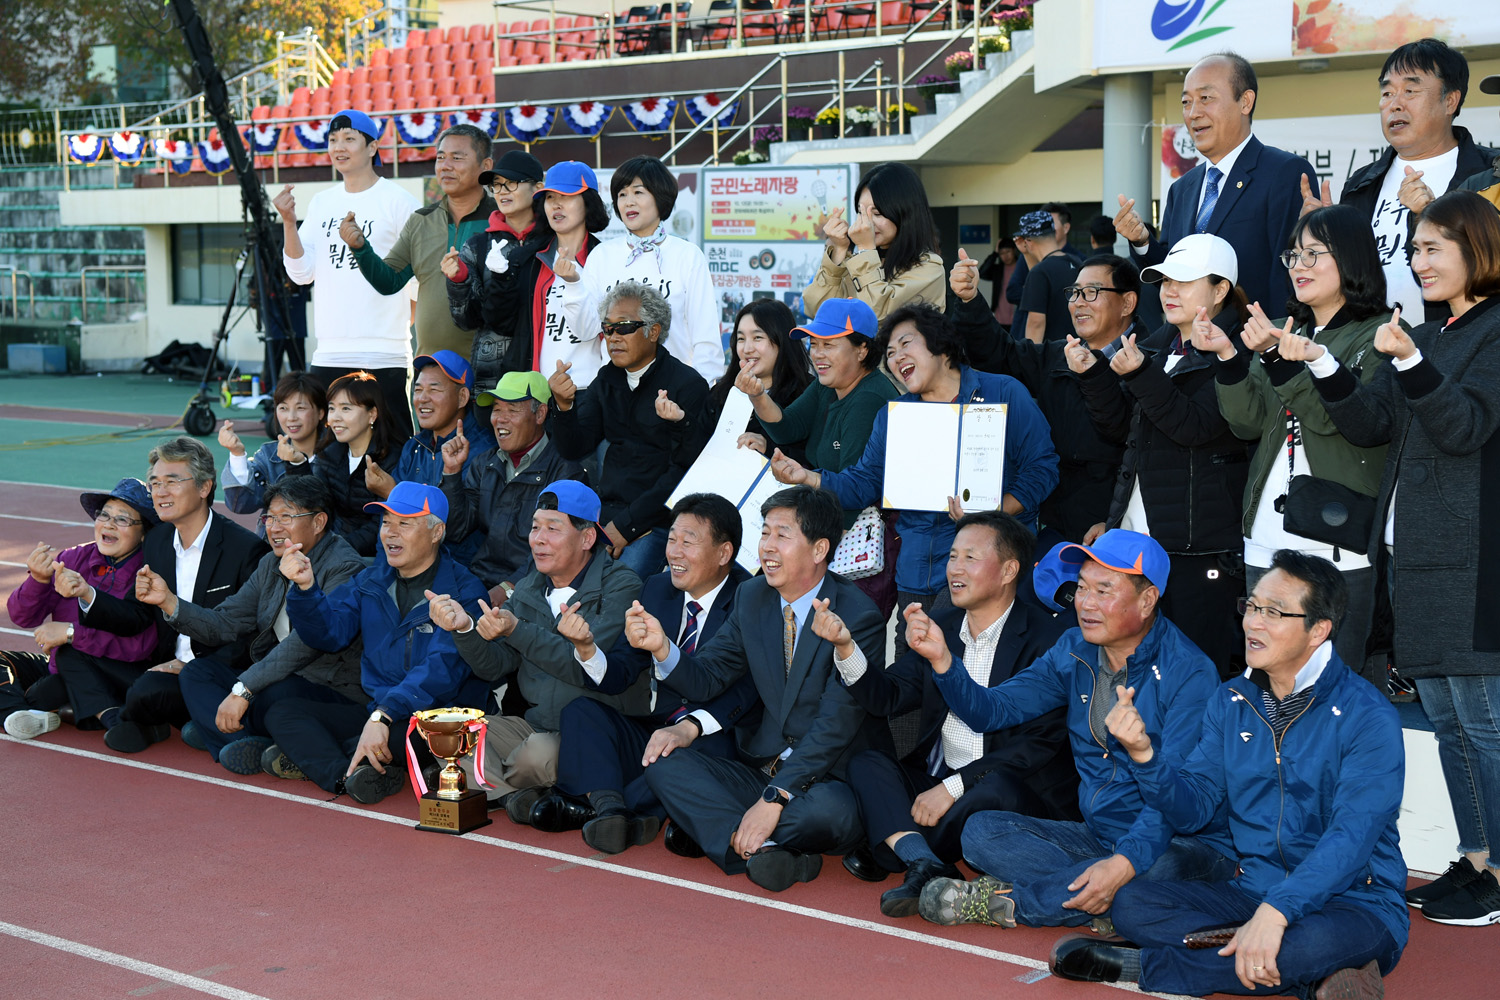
(519, 644)
(490, 500)
(407, 665)
(357, 328)
(1043, 872)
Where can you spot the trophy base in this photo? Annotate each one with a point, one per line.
(456, 816)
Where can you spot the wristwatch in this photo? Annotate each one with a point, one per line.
(381, 717)
(70, 632)
(772, 794)
(239, 690)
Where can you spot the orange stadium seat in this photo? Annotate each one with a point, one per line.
(260, 112)
(459, 51)
(381, 93)
(359, 94)
(340, 75)
(380, 74)
(399, 57)
(477, 33)
(417, 36)
(301, 95)
(487, 86)
(506, 61)
(401, 93)
(463, 69)
(446, 90)
(483, 52)
(531, 60)
(361, 74)
(380, 57)
(424, 91)
(421, 71)
(456, 34)
(400, 74)
(439, 54)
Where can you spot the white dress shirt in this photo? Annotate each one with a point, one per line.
(1224, 166)
(188, 560)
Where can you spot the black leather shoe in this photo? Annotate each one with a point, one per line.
(615, 832)
(518, 804)
(128, 737)
(778, 869)
(902, 901)
(862, 865)
(1086, 959)
(681, 843)
(555, 813)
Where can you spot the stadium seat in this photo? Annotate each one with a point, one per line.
(455, 34)
(487, 86)
(463, 69)
(380, 57)
(340, 75)
(483, 52)
(301, 95)
(399, 57)
(438, 54)
(530, 60)
(401, 73)
(381, 93)
(523, 48)
(401, 93)
(424, 91)
(380, 74)
(260, 112)
(422, 71)
(459, 52)
(518, 28)
(416, 54)
(360, 74)
(417, 36)
(477, 33)
(508, 61)
(359, 94)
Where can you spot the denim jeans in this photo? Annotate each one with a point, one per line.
(647, 554)
(1156, 915)
(1042, 857)
(1465, 712)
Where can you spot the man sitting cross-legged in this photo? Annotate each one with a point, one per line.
(914, 809)
(774, 811)
(1044, 872)
(229, 707)
(604, 753)
(406, 666)
(1307, 759)
(519, 644)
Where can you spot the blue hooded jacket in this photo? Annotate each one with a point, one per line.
(926, 536)
(409, 664)
(1312, 819)
(1173, 681)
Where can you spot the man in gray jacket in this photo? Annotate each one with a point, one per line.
(228, 710)
(519, 644)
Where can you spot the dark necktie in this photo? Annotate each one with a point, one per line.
(690, 629)
(1210, 199)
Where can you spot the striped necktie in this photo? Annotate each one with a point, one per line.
(788, 636)
(690, 629)
(1210, 199)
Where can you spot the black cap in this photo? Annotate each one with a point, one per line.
(515, 166)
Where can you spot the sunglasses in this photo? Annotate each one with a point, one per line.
(624, 328)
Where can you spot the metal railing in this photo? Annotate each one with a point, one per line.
(15, 303)
(384, 28)
(105, 269)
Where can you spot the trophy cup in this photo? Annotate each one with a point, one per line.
(451, 807)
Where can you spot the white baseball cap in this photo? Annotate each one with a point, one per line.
(1196, 256)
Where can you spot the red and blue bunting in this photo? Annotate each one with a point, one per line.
(487, 120)
(700, 109)
(176, 153)
(587, 118)
(263, 137)
(127, 147)
(529, 122)
(653, 114)
(85, 148)
(312, 135)
(215, 156)
(419, 128)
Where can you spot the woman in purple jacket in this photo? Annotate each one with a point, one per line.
(30, 688)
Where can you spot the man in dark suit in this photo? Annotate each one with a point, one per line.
(914, 809)
(774, 810)
(604, 752)
(203, 558)
(1248, 193)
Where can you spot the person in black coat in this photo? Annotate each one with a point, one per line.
(914, 809)
(649, 407)
(189, 536)
(1183, 473)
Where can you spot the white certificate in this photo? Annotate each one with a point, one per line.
(934, 451)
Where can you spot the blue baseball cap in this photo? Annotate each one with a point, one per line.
(359, 122)
(450, 363)
(570, 177)
(574, 499)
(132, 492)
(410, 499)
(1053, 580)
(1124, 552)
(839, 318)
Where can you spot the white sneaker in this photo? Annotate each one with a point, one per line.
(31, 723)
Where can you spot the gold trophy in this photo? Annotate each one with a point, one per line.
(451, 807)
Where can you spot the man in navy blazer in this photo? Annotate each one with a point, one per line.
(604, 753)
(914, 809)
(1248, 193)
(774, 810)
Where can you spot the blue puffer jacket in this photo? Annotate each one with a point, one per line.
(408, 664)
(248, 497)
(1173, 681)
(1312, 819)
(926, 536)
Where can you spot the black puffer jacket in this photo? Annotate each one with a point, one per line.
(467, 295)
(508, 298)
(1192, 469)
(350, 520)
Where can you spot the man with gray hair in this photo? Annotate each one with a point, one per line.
(199, 557)
(649, 406)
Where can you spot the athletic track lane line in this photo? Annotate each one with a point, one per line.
(126, 962)
(581, 861)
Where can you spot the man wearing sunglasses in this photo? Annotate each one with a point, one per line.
(228, 706)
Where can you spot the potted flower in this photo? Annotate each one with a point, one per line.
(827, 124)
(860, 121)
(800, 119)
(958, 62)
(764, 136)
(893, 116)
(934, 84)
(749, 157)
(989, 44)
(1015, 16)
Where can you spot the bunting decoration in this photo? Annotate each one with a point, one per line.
(419, 128)
(700, 109)
(653, 114)
(85, 148)
(487, 120)
(127, 147)
(529, 122)
(176, 153)
(588, 118)
(215, 156)
(312, 135)
(262, 137)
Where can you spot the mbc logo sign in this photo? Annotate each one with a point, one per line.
(1186, 21)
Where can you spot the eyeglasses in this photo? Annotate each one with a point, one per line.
(1088, 293)
(624, 328)
(1248, 608)
(1307, 258)
(166, 483)
(282, 520)
(506, 186)
(118, 522)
